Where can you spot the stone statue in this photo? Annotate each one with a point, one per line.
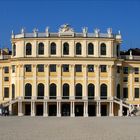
(65, 28)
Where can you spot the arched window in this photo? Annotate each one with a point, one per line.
(28, 49)
(118, 50)
(103, 90)
(78, 49)
(90, 49)
(14, 50)
(41, 48)
(78, 91)
(103, 49)
(91, 91)
(52, 93)
(66, 49)
(66, 91)
(53, 48)
(40, 91)
(28, 91)
(118, 91)
(13, 91)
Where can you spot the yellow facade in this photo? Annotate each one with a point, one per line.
(93, 70)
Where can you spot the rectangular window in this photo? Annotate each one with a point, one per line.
(6, 92)
(125, 79)
(125, 92)
(136, 92)
(125, 70)
(6, 69)
(40, 68)
(65, 68)
(136, 79)
(90, 68)
(13, 68)
(28, 68)
(6, 79)
(52, 68)
(103, 68)
(136, 70)
(78, 68)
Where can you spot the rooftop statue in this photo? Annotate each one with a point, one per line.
(65, 28)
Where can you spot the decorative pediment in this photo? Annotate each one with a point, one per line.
(65, 28)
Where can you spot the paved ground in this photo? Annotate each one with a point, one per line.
(52, 128)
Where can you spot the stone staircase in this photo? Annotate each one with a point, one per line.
(10, 102)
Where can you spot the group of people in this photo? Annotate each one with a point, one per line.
(4, 111)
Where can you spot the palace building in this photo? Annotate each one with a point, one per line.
(69, 74)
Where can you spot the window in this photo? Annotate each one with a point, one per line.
(103, 68)
(103, 49)
(136, 79)
(53, 48)
(6, 69)
(28, 49)
(90, 68)
(78, 68)
(136, 70)
(14, 50)
(28, 68)
(41, 49)
(118, 69)
(136, 92)
(13, 68)
(66, 91)
(125, 92)
(65, 68)
(125, 70)
(65, 49)
(90, 49)
(52, 68)
(6, 79)
(13, 91)
(103, 91)
(78, 91)
(118, 50)
(78, 49)
(6, 92)
(40, 68)
(40, 91)
(91, 91)
(125, 79)
(28, 91)
(52, 91)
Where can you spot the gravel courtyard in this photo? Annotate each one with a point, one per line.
(66, 128)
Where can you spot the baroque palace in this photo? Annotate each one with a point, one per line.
(69, 74)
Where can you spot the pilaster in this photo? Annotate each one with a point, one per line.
(34, 86)
(47, 79)
(59, 79)
(97, 86)
(72, 87)
(85, 95)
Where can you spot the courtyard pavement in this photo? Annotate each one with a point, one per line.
(66, 128)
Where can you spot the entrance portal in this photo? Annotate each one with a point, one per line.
(65, 109)
(78, 110)
(27, 109)
(91, 110)
(39, 110)
(103, 110)
(52, 110)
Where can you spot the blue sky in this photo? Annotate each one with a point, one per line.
(123, 15)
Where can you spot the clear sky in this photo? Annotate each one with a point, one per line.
(123, 15)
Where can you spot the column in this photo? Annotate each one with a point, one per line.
(72, 110)
(130, 94)
(59, 79)
(32, 108)
(20, 108)
(34, 86)
(110, 81)
(120, 109)
(72, 87)
(47, 79)
(97, 78)
(45, 109)
(1, 97)
(111, 109)
(85, 109)
(21, 80)
(10, 109)
(98, 109)
(58, 109)
(85, 95)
